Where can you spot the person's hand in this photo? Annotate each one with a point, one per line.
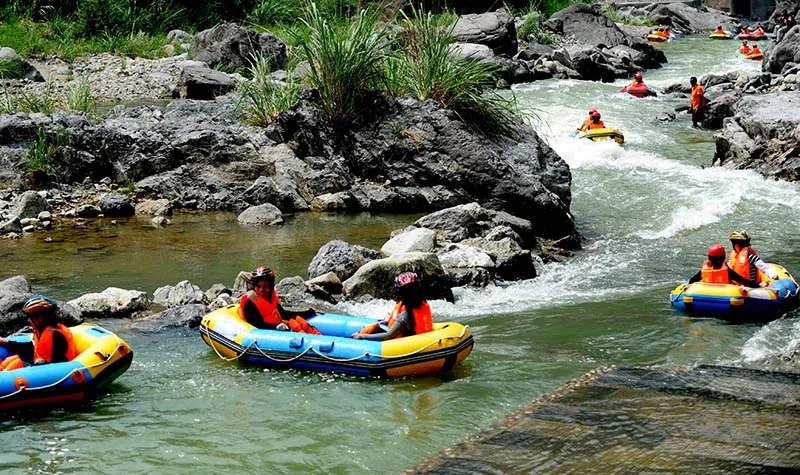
(282, 327)
(39, 361)
(356, 336)
(774, 277)
(764, 284)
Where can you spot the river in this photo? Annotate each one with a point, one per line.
(648, 210)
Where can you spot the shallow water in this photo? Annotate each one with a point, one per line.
(648, 210)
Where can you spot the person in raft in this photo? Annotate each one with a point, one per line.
(261, 307)
(755, 50)
(698, 107)
(592, 122)
(744, 259)
(410, 316)
(744, 49)
(716, 271)
(51, 343)
(720, 31)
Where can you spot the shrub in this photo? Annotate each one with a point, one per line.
(264, 98)
(346, 60)
(429, 70)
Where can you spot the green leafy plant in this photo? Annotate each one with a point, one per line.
(346, 60)
(43, 151)
(79, 97)
(264, 98)
(429, 70)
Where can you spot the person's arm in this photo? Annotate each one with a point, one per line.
(695, 278)
(735, 277)
(763, 266)
(399, 325)
(253, 317)
(23, 349)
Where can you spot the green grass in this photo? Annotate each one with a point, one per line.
(346, 60)
(428, 70)
(43, 151)
(264, 98)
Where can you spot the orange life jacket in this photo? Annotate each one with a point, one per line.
(423, 320)
(720, 32)
(586, 124)
(300, 325)
(744, 49)
(758, 32)
(597, 125)
(268, 310)
(755, 50)
(710, 275)
(43, 344)
(740, 262)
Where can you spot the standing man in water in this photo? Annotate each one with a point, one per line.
(698, 107)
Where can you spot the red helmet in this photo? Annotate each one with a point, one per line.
(638, 76)
(716, 250)
(595, 115)
(263, 272)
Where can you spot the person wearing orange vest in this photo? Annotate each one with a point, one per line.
(411, 314)
(716, 271)
(744, 48)
(588, 121)
(261, 307)
(596, 123)
(698, 107)
(52, 342)
(720, 31)
(745, 260)
(755, 50)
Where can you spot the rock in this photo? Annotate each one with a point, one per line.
(113, 302)
(411, 240)
(161, 207)
(493, 29)
(763, 135)
(233, 47)
(204, 83)
(341, 259)
(262, 215)
(116, 205)
(12, 66)
(188, 315)
(785, 52)
(28, 205)
(376, 278)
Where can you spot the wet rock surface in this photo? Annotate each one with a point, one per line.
(710, 419)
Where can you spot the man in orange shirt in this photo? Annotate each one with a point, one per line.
(698, 107)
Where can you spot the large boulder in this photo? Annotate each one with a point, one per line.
(340, 258)
(233, 47)
(785, 52)
(376, 278)
(587, 25)
(493, 29)
(763, 135)
(12, 66)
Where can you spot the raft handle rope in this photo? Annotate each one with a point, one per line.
(344, 360)
(68, 375)
(678, 295)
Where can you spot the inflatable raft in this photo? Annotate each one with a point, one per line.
(102, 358)
(603, 134)
(656, 38)
(432, 352)
(754, 56)
(721, 36)
(736, 303)
(639, 91)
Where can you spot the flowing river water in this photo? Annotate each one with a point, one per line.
(648, 211)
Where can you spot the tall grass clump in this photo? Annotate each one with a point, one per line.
(429, 70)
(265, 98)
(43, 150)
(79, 97)
(346, 60)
